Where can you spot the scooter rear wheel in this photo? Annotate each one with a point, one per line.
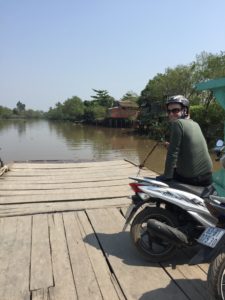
(216, 277)
(152, 249)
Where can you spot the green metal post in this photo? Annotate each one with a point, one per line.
(217, 86)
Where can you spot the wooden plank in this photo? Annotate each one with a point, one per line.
(9, 186)
(85, 281)
(60, 190)
(42, 294)
(97, 176)
(106, 281)
(82, 169)
(191, 279)
(15, 236)
(70, 177)
(85, 172)
(41, 267)
(190, 252)
(75, 176)
(87, 194)
(135, 276)
(59, 180)
(64, 172)
(45, 181)
(70, 165)
(63, 277)
(37, 208)
(66, 165)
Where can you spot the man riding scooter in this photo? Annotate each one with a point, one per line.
(187, 160)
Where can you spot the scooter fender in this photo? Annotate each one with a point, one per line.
(132, 209)
(207, 254)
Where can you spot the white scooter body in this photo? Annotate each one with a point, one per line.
(191, 203)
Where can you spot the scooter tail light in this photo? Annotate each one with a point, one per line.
(136, 187)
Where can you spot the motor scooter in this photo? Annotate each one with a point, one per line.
(171, 216)
(212, 250)
(212, 240)
(167, 216)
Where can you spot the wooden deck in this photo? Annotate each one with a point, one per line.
(61, 238)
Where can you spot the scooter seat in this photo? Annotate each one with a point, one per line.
(200, 191)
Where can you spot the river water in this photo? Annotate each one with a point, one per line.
(22, 140)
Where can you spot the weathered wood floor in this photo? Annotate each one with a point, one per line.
(61, 238)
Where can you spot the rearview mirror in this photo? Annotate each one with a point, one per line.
(219, 143)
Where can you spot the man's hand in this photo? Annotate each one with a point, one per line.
(166, 145)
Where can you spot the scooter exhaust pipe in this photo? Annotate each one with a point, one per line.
(165, 232)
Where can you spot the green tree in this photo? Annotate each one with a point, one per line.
(208, 66)
(211, 120)
(174, 81)
(73, 109)
(33, 114)
(103, 98)
(55, 113)
(131, 96)
(94, 112)
(20, 107)
(5, 113)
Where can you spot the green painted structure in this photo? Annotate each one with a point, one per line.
(217, 86)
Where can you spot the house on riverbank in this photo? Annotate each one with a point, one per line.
(124, 114)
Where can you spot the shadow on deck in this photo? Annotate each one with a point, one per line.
(61, 238)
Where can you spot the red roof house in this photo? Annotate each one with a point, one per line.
(124, 110)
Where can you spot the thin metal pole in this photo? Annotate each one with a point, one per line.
(147, 156)
(145, 159)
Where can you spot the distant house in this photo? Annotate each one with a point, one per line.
(124, 110)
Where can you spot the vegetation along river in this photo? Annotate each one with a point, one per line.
(22, 140)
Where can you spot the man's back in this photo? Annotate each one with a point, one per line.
(189, 149)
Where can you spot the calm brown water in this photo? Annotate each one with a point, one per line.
(43, 140)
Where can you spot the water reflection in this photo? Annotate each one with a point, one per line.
(43, 140)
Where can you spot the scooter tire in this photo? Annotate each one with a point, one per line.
(216, 276)
(136, 233)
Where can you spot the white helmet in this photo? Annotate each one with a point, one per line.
(179, 99)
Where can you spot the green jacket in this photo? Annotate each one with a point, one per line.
(188, 151)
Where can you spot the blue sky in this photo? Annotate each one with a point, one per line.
(51, 50)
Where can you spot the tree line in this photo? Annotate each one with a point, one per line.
(72, 109)
(181, 80)
(178, 80)
(19, 112)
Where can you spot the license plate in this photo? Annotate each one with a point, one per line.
(211, 236)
